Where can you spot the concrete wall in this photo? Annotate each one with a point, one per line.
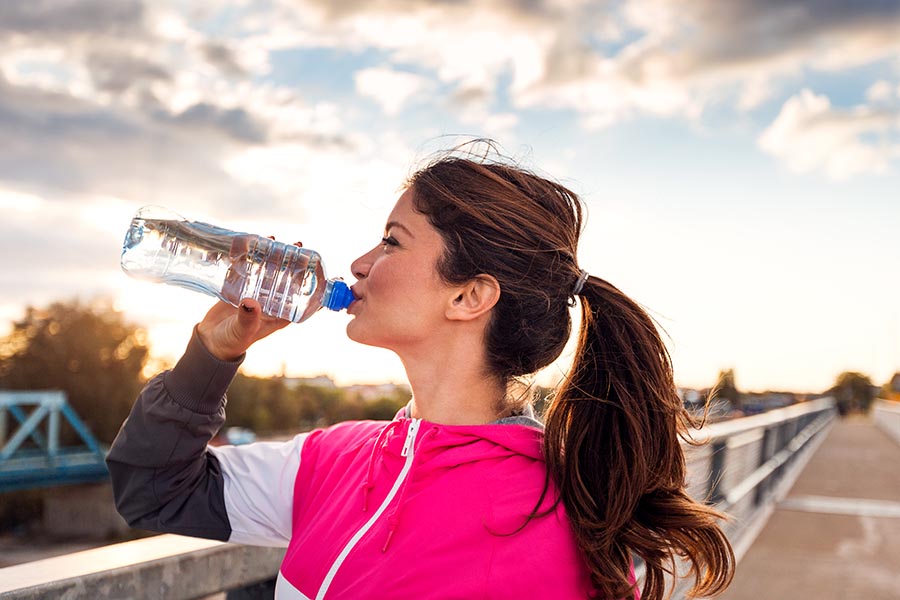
(161, 567)
(82, 511)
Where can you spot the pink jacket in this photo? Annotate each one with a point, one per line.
(412, 509)
(401, 509)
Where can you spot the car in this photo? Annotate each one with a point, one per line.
(234, 436)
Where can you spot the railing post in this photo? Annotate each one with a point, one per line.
(718, 449)
(784, 438)
(765, 454)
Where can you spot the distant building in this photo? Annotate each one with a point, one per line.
(695, 403)
(689, 396)
(754, 403)
(750, 403)
(322, 381)
(369, 393)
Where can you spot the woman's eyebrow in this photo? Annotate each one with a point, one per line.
(392, 224)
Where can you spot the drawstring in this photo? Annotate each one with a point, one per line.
(394, 517)
(367, 485)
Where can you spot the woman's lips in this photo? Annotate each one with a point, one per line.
(356, 301)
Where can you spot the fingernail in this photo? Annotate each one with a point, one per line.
(246, 308)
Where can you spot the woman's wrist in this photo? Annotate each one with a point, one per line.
(199, 380)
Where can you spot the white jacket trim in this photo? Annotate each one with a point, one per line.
(285, 591)
(259, 489)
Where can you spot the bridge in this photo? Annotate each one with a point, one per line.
(814, 501)
(33, 456)
(836, 533)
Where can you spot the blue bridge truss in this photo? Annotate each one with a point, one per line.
(43, 462)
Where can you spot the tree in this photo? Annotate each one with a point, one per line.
(87, 351)
(726, 389)
(853, 392)
(891, 389)
(268, 406)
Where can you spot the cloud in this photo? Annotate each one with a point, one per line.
(467, 45)
(606, 60)
(391, 89)
(131, 101)
(682, 57)
(117, 72)
(138, 107)
(51, 19)
(63, 248)
(810, 134)
(156, 97)
(224, 58)
(234, 123)
(707, 38)
(883, 92)
(57, 144)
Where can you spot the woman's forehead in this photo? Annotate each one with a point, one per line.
(404, 212)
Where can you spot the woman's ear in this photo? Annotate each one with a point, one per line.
(474, 298)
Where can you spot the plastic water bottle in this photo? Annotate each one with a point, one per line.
(289, 282)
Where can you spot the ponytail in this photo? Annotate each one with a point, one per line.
(611, 445)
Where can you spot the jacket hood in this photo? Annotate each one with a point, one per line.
(452, 445)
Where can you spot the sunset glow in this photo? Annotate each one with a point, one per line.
(743, 186)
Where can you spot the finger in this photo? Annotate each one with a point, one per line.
(249, 315)
(298, 244)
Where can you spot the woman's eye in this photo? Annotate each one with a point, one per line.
(389, 241)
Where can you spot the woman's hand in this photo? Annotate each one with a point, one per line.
(227, 331)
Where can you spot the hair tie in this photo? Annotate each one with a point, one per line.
(579, 285)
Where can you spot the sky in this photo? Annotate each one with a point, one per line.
(738, 160)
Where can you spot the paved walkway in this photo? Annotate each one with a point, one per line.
(837, 534)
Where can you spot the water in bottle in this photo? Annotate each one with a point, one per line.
(289, 282)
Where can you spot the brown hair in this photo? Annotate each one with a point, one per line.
(611, 440)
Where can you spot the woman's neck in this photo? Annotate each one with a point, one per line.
(454, 393)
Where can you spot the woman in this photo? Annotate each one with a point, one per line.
(464, 494)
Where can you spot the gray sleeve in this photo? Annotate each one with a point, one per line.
(162, 476)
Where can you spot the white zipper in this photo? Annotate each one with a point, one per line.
(408, 452)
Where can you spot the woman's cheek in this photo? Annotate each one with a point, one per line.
(381, 279)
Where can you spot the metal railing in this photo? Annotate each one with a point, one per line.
(886, 415)
(743, 463)
(746, 465)
(743, 467)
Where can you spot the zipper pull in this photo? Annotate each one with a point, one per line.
(410, 437)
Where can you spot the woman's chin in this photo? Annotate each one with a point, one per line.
(357, 333)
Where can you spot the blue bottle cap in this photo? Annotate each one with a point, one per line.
(339, 296)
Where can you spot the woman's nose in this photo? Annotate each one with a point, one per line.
(360, 266)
